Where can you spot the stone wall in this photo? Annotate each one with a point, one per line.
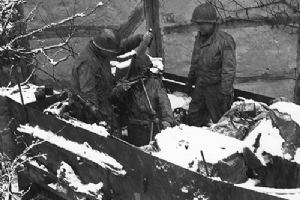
(260, 50)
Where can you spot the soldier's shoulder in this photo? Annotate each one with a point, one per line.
(226, 38)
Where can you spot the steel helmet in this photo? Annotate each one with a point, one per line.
(204, 13)
(107, 40)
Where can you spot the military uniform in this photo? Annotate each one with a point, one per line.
(92, 77)
(212, 71)
(135, 110)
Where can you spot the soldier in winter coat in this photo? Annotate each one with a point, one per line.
(92, 78)
(212, 70)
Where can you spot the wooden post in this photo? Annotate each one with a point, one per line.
(297, 82)
(152, 21)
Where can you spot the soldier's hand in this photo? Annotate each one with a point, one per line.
(126, 85)
(147, 38)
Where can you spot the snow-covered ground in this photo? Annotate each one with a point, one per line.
(182, 145)
(179, 100)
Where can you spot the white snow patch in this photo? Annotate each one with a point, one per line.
(288, 107)
(157, 63)
(95, 128)
(179, 100)
(128, 54)
(121, 65)
(292, 194)
(57, 109)
(67, 173)
(249, 183)
(184, 189)
(40, 166)
(100, 4)
(297, 156)
(182, 144)
(82, 150)
(270, 140)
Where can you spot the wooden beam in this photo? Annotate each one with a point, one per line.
(233, 23)
(151, 8)
(265, 77)
(65, 31)
(135, 19)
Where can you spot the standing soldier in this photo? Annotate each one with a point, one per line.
(212, 70)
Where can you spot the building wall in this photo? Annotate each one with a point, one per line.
(260, 50)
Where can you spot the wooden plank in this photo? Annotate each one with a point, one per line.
(152, 21)
(65, 31)
(265, 77)
(135, 19)
(232, 24)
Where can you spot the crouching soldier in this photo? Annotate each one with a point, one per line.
(143, 102)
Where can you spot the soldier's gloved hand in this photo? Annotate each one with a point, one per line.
(121, 87)
(165, 124)
(124, 85)
(147, 38)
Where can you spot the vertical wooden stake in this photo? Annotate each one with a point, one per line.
(151, 8)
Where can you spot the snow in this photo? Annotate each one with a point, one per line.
(37, 165)
(121, 65)
(270, 140)
(128, 54)
(182, 144)
(100, 4)
(82, 150)
(288, 107)
(57, 109)
(184, 189)
(27, 92)
(292, 194)
(67, 174)
(95, 128)
(179, 100)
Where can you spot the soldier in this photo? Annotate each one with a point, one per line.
(143, 102)
(212, 70)
(92, 78)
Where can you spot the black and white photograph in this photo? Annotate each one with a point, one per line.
(149, 99)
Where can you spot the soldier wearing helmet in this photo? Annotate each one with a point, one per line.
(91, 74)
(213, 68)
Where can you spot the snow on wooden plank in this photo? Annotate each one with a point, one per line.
(83, 150)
